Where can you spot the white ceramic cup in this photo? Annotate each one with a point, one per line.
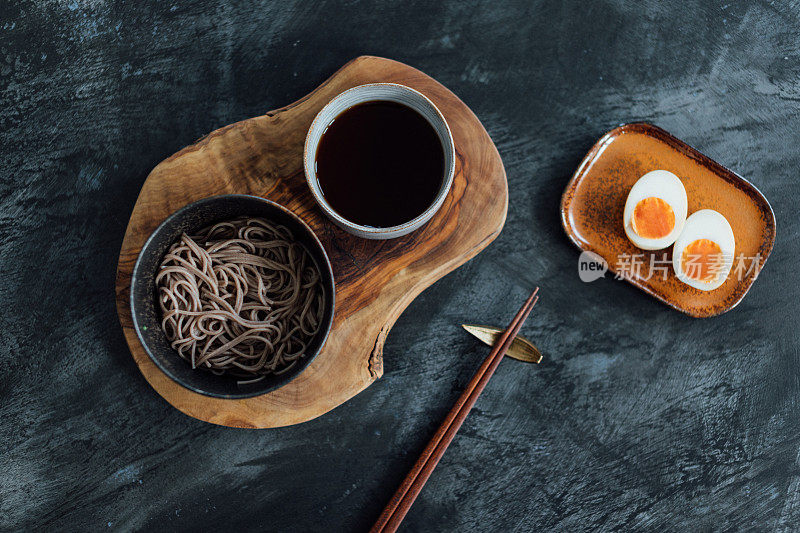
(389, 92)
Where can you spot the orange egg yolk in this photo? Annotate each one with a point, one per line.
(701, 260)
(653, 218)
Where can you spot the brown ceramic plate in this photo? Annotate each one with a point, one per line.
(593, 202)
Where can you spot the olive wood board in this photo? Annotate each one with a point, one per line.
(375, 280)
(593, 202)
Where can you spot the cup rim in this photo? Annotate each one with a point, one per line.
(389, 231)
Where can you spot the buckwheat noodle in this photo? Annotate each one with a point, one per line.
(241, 297)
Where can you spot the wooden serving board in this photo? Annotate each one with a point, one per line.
(375, 280)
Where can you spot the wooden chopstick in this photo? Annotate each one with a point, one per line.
(401, 501)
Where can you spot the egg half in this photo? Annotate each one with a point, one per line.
(655, 210)
(703, 254)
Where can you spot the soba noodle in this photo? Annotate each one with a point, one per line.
(241, 297)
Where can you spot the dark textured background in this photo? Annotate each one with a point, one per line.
(638, 418)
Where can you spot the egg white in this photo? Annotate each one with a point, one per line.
(711, 225)
(666, 186)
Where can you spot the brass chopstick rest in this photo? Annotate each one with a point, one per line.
(398, 506)
(521, 349)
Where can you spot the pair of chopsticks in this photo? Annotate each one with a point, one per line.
(398, 506)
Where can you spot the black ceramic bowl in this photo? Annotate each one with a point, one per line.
(146, 314)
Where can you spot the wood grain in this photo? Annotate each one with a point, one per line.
(375, 280)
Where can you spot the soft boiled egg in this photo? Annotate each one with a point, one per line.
(655, 210)
(703, 254)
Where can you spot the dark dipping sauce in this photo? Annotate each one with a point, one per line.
(380, 164)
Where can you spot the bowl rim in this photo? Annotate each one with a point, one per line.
(328, 324)
(372, 231)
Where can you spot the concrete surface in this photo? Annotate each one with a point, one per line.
(639, 418)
